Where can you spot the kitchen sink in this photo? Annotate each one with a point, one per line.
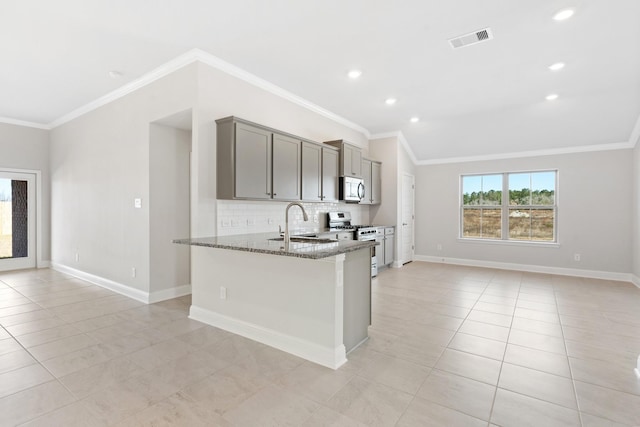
(306, 239)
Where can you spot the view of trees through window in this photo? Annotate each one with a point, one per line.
(529, 211)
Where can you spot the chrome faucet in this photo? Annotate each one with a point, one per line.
(287, 238)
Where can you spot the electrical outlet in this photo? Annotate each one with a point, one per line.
(270, 221)
(77, 257)
(137, 203)
(439, 246)
(576, 257)
(315, 218)
(225, 223)
(223, 292)
(133, 272)
(251, 222)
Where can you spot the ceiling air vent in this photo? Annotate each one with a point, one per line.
(471, 38)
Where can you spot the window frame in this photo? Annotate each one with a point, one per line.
(505, 207)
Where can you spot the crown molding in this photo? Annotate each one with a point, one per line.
(403, 141)
(10, 121)
(198, 55)
(535, 153)
(246, 76)
(163, 70)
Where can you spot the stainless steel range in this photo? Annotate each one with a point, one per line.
(341, 221)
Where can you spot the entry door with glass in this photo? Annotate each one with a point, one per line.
(17, 221)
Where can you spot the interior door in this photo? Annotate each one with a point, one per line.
(408, 218)
(17, 221)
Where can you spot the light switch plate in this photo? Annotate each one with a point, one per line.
(137, 203)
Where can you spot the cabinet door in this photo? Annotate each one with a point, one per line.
(376, 182)
(388, 249)
(356, 162)
(351, 161)
(330, 161)
(366, 176)
(252, 162)
(311, 172)
(286, 168)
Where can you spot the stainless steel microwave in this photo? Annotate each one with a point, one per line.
(351, 189)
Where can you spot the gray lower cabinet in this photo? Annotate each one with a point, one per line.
(258, 163)
(389, 242)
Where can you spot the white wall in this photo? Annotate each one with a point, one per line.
(594, 212)
(169, 207)
(100, 163)
(636, 214)
(28, 148)
(395, 163)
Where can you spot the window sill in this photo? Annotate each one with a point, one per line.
(510, 243)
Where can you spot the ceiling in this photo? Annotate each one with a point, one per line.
(486, 99)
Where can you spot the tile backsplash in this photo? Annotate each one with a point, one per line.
(243, 217)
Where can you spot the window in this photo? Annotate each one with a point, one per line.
(528, 214)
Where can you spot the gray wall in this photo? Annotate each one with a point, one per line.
(28, 148)
(594, 212)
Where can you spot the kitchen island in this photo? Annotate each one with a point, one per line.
(312, 299)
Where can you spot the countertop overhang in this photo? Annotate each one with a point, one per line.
(262, 243)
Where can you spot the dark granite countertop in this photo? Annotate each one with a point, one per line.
(261, 243)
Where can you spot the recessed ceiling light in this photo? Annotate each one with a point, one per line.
(552, 97)
(115, 74)
(415, 119)
(557, 66)
(564, 14)
(354, 74)
(390, 101)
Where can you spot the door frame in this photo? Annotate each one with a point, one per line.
(38, 198)
(401, 259)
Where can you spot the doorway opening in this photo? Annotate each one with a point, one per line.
(17, 220)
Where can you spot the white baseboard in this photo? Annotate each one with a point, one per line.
(165, 294)
(125, 290)
(591, 274)
(635, 280)
(325, 356)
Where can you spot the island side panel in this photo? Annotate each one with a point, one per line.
(357, 298)
(290, 303)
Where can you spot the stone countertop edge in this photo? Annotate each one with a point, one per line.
(261, 243)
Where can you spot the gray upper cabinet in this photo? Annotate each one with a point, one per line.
(350, 158)
(311, 172)
(286, 168)
(319, 173)
(252, 162)
(255, 162)
(330, 169)
(371, 174)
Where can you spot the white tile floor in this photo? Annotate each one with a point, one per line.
(450, 346)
